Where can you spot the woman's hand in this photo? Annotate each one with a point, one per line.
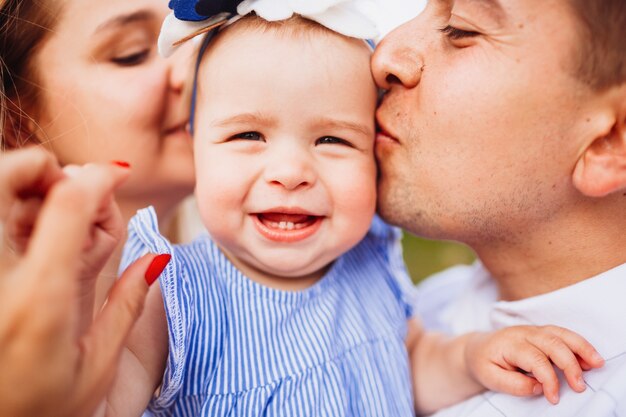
(53, 361)
(32, 173)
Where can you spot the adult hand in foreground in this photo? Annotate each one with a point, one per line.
(55, 360)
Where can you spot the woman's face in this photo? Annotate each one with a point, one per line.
(107, 95)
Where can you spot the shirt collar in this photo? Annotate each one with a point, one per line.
(595, 308)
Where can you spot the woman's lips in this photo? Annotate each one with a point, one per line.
(178, 131)
(286, 228)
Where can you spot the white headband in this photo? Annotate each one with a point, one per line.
(345, 17)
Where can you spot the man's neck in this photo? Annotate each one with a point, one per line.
(555, 256)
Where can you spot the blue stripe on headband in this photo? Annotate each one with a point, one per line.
(198, 10)
(194, 93)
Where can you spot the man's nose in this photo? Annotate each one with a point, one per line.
(398, 59)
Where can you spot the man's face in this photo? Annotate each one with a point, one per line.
(484, 118)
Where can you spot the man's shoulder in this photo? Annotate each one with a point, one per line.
(605, 396)
(449, 278)
(443, 291)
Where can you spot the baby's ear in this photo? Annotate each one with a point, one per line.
(601, 169)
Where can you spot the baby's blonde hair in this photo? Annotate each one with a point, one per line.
(295, 25)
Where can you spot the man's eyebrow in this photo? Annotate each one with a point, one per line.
(492, 7)
(345, 125)
(122, 20)
(245, 118)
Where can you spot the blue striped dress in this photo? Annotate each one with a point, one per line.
(237, 348)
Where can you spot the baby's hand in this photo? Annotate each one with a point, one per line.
(518, 360)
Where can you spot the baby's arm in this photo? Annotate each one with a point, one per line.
(143, 361)
(446, 371)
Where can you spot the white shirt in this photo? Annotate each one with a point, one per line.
(464, 299)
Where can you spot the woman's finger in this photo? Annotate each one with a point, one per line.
(69, 212)
(26, 172)
(108, 220)
(20, 223)
(103, 344)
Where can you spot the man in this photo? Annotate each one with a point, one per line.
(504, 127)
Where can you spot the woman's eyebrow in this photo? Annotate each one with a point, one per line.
(122, 20)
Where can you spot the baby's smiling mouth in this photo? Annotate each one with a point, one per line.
(286, 227)
(284, 221)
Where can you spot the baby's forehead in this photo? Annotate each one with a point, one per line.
(258, 56)
(297, 30)
(302, 61)
(253, 48)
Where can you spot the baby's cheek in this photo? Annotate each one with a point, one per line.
(356, 198)
(216, 190)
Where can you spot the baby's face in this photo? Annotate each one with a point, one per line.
(284, 151)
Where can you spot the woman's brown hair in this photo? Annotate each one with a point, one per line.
(24, 27)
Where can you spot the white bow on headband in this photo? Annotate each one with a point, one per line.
(346, 17)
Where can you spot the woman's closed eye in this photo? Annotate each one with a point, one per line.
(132, 59)
(252, 136)
(332, 140)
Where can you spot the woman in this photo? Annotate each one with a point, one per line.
(83, 79)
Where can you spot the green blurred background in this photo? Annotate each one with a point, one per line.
(425, 257)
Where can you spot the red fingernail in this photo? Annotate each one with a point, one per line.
(121, 164)
(156, 267)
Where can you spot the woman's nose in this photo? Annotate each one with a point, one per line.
(180, 67)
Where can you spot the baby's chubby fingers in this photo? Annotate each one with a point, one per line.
(570, 352)
(533, 360)
(562, 357)
(513, 382)
(588, 356)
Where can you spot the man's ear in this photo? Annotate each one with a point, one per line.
(601, 169)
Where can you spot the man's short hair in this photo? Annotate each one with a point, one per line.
(602, 60)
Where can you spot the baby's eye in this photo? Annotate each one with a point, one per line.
(248, 136)
(332, 140)
(456, 34)
(129, 60)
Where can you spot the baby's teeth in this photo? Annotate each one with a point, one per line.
(286, 225)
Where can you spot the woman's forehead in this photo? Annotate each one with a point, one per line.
(97, 16)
